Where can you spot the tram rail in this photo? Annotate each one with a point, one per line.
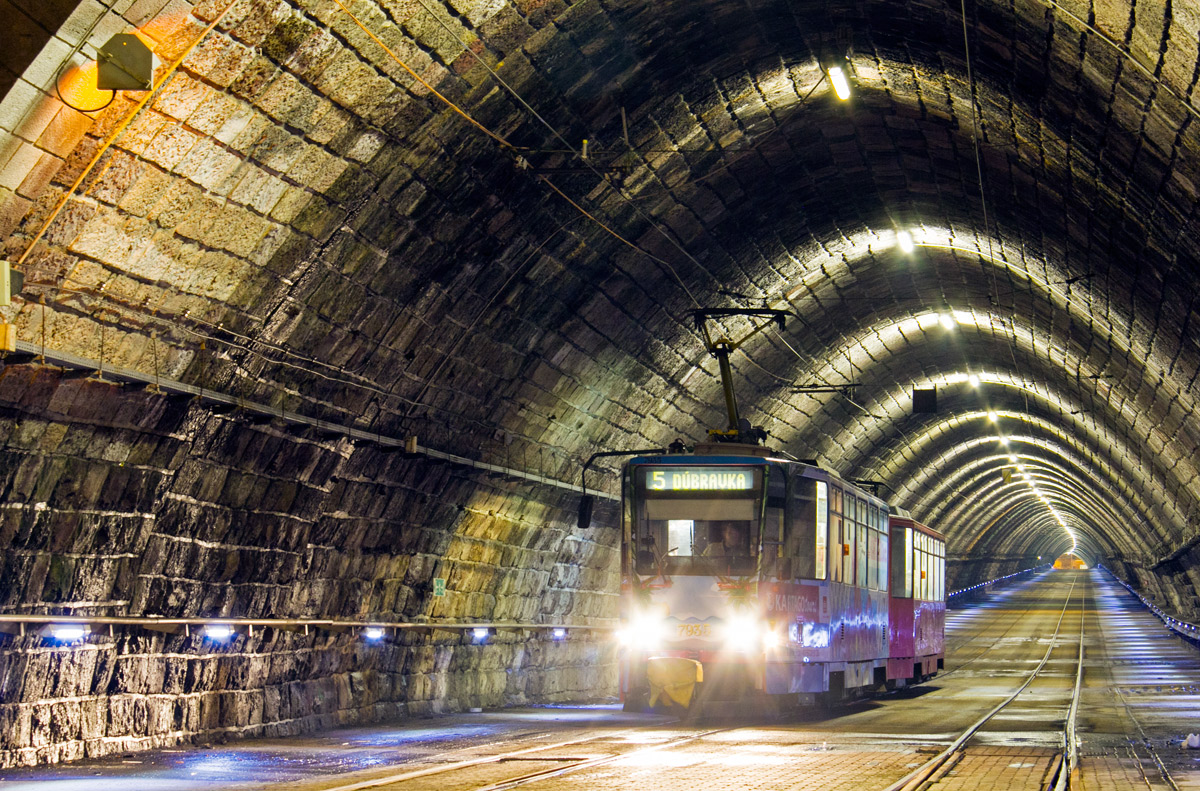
(1065, 764)
(1142, 750)
(959, 644)
(574, 763)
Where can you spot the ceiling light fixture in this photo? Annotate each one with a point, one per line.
(905, 240)
(841, 86)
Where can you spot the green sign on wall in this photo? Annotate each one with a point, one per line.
(439, 586)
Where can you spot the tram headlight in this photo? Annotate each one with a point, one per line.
(642, 632)
(743, 632)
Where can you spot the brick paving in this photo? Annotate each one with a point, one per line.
(1139, 698)
(296, 221)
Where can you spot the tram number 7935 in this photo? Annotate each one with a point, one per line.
(690, 630)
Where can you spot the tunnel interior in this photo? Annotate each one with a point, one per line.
(482, 227)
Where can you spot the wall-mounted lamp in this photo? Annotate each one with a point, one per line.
(125, 64)
(905, 240)
(67, 633)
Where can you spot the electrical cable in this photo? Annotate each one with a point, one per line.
(83, 37)
(977, 128)
(554, 131)
(58, 91)
(510, 147)
(480, 313)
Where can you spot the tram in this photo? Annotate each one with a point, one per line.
(917, 601)
(747, 576)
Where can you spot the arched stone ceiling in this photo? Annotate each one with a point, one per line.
(297, 218)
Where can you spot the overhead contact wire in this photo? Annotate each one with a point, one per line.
(423, 81)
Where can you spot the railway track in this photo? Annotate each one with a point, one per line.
(525, 764)
(957, 644)
(550, 753)
(1154, 771)
(1065, 765)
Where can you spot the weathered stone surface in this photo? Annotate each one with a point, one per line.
(207, 516)
(298, 220)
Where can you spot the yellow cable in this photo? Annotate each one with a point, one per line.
(419, 79)
(510, 147)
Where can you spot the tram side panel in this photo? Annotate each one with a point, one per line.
(836, 625)
(917, 607)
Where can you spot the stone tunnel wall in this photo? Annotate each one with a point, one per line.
(118, 501)
(1173, 587)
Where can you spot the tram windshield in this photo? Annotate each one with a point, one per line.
(704, 533)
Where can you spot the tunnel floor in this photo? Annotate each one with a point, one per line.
(1141, 689)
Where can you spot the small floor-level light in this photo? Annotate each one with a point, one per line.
(218, 631)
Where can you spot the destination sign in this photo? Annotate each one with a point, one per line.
(699, 479)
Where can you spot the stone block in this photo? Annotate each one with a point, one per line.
(23, 158)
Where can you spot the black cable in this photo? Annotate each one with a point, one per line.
(62, 99)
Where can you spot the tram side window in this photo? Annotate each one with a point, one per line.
(881, 569)
(835, 534)
(901, 579)
(940, 593)
(909, 559)
(835, 546)
(941, 561)
(858, 513)
(822, 527)
(873, 547)
(919, 570)
(884, 555)
(848, 556)
(804, 543)
(873, 559)
(774, 528)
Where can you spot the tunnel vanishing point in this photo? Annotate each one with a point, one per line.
(320, 329)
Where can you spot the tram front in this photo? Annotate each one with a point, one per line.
(692, 550)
